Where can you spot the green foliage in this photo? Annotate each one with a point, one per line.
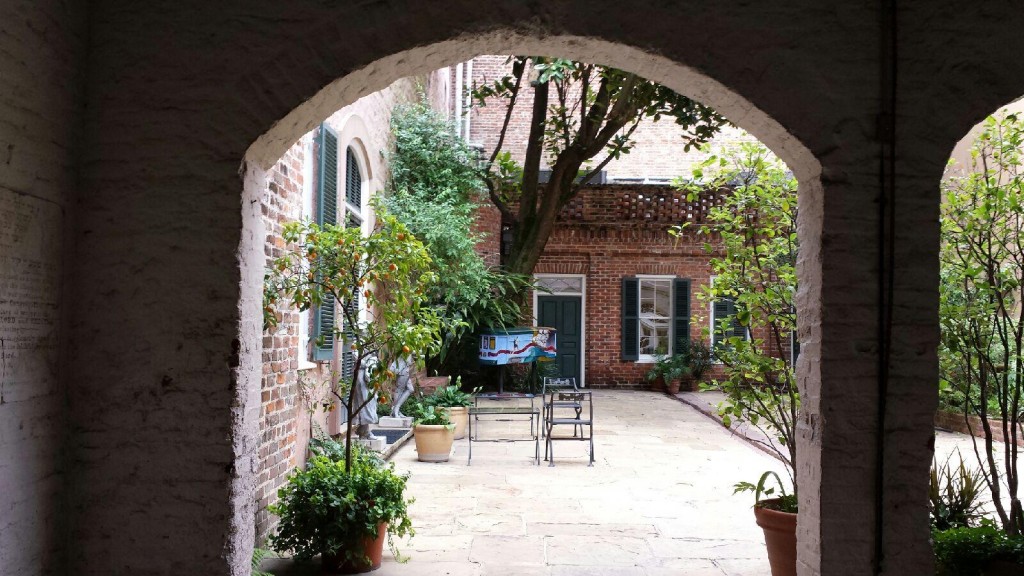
(589, 119)
(433, 417)
(783, 502)
(450, 396)
(954, 495)
(981, 354)
(326, 509)
(691, 361)
(389, 270)
(669, 368)
(434, 190)
(966, 551)
(755, 266)
(258, 554)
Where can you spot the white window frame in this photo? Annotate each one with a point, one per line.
(305, 316)
(651, 358)
(583, 315)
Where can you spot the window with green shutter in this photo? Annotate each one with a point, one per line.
(630, 319)
(724, 323)
(326, 213)
(655, 316)
(353, 218)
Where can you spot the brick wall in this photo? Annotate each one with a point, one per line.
(614, 231)
(658, 150)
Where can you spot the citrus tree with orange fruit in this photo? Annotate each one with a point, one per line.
(388, 271)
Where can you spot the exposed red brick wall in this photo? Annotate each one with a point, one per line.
(279, 391)
(488, 226)
(611, 232)
(972, 425)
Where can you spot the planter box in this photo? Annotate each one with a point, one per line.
(955, 421)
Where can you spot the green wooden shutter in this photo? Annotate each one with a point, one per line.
(630, 319)
(353, 180)
(348, 357)
(681, 314)
(726, 309)
(326, 213)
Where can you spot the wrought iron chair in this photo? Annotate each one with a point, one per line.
(563, 404)
(551, 384)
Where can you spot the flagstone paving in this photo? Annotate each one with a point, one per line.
(657, 501)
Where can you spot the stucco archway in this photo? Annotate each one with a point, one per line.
(173, 96)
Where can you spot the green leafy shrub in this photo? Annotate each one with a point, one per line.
(435, 189)
(954, 495)
(754, 264)
(966, 551)
(669, 368)
(450, 396)
(432, 417)
(326, 510)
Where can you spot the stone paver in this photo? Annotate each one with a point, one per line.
(657, 501)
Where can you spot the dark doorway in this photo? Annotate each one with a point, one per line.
(564, 313)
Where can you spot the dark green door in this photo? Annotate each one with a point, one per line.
(565, 314)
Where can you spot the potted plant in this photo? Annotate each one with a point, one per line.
(434, 434)
(776, 515)
(387, 274)
(671, 370)
(455, 402)
(342, 514)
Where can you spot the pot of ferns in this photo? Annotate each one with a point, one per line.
(455, 402)
(434, 434)
(777, 518)
(344, 516)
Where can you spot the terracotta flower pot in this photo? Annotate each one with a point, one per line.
(459, 415)
(780, 537)
(372, 551)
(433, 442)
(672, 387)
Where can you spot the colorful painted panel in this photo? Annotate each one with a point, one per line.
(517, 345)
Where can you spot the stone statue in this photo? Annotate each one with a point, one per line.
(367, 414)
(402, 368)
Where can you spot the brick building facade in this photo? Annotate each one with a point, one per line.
(614, 232)
(610, 232)
(291, 194)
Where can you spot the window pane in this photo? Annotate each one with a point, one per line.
(655, 316)
(559, 284)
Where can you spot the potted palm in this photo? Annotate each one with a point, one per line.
(434, 434)
(342, 514)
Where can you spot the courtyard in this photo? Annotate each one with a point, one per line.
(657, 501)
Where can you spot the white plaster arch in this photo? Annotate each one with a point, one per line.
(679, 77)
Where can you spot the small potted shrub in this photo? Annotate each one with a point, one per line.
(342, 516)
(776, 515)
(671, 369)
(455, 402)
(434, 434)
